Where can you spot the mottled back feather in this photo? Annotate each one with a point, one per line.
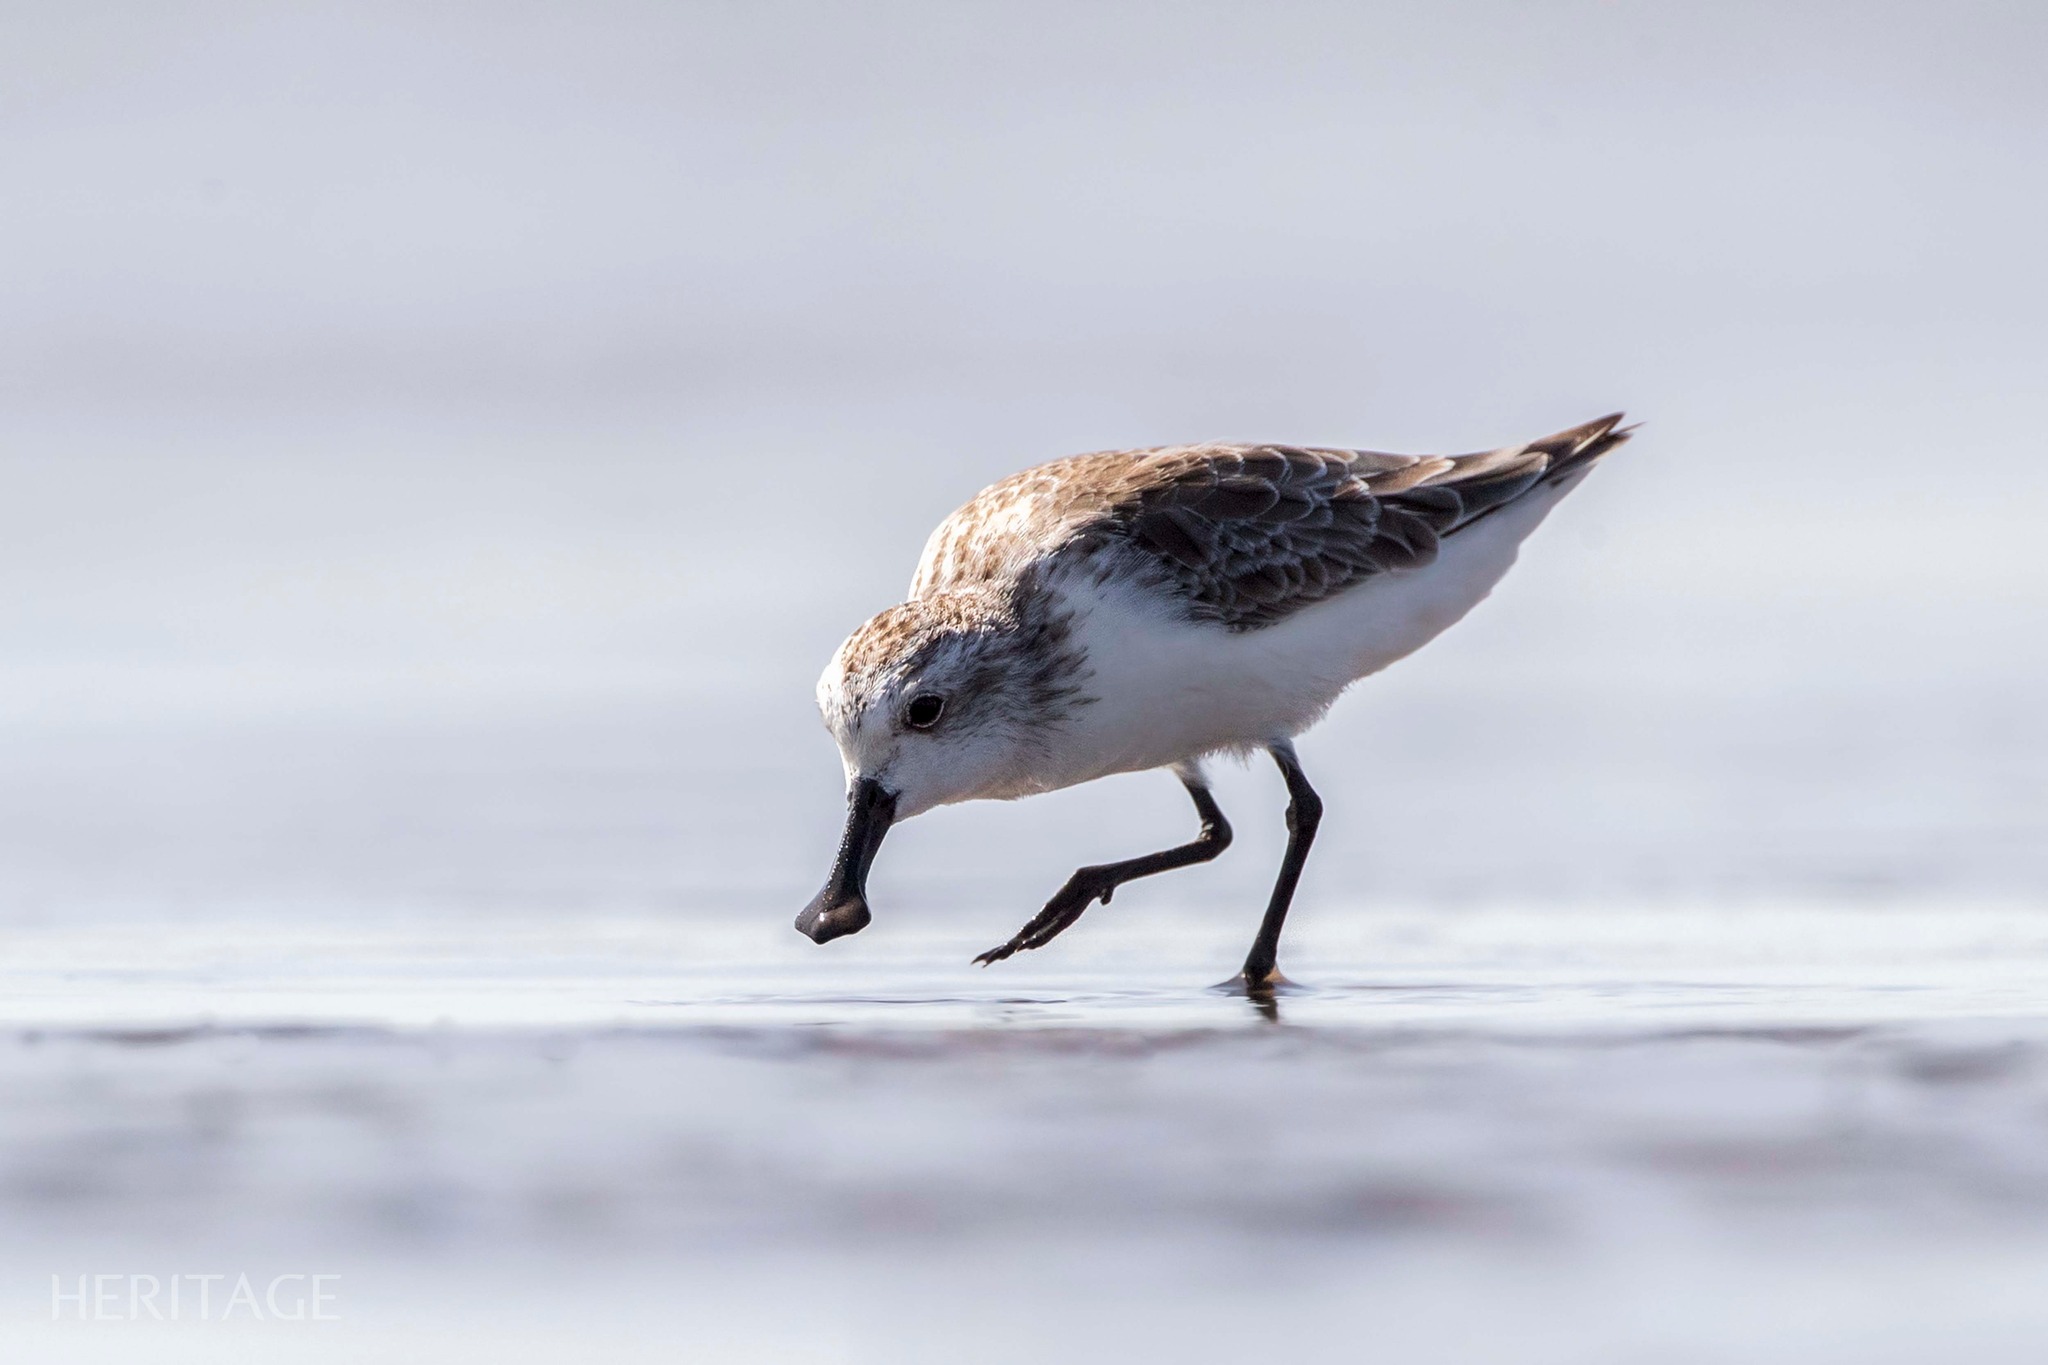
(1243, 535)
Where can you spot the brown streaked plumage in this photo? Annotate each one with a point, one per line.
(1247, 534)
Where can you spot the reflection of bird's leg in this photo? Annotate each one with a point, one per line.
(1091, 884)
(1304, 813)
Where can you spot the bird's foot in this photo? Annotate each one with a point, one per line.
(1270, 983)
(1082, 890)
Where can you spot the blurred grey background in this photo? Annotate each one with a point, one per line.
(439, 445)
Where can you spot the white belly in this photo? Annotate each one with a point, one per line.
(1168, 690)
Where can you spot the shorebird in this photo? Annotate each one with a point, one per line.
(1146, 609)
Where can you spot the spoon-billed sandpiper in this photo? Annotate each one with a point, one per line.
(1147, 608)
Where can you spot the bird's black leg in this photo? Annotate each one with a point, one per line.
(1091, 884)
(1304, 813)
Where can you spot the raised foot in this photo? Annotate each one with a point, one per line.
(1082, 890)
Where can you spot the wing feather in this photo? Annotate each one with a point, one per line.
(1252, 534)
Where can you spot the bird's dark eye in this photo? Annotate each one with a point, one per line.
(924, 711)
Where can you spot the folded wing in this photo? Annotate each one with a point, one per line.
(1251, 534)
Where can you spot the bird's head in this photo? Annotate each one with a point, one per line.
(948, 697)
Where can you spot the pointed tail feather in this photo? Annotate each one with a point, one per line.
(1579, 447)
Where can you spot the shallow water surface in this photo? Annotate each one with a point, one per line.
(1805, 1135)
